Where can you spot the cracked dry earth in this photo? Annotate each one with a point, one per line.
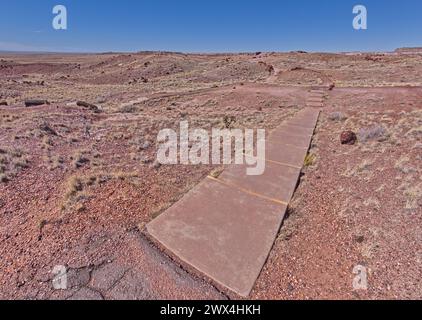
(77, 185)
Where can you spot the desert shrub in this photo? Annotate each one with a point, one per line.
(229, 121)
(129, 109)
(337, 116)
(377, 132)
(79, 159)
(415, 133)
(12, 161)
(309, 160)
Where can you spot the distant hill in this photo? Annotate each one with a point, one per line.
(410, 50)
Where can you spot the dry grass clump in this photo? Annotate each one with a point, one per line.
(79, 159)
(309, 160)
(415, 133)
(337, 116)
(413, 197)
(12, 161)
(363, 168)
(54, 162)
(129, 109)
(374, 133)
(46, 143)
(76, 189)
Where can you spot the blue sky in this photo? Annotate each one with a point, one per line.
(209, 25)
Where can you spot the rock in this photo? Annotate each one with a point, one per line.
(146, 145)
(89, 106)
(156, 165)
(270, 69)
(145, 160)
(331, 87)
(78, 278)
(47, 129)
(348, 137)
(3, 103)
(34, 103)
(87, 294)
(295, 69)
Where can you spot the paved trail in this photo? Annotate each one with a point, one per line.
(226, 226)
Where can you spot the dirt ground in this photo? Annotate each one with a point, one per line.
(78, 184)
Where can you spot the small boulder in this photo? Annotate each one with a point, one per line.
(348, 137)
(156, 165)
(89, 106)
(3, 103)
(45, 127)
(34, 103)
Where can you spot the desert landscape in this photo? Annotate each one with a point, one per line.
(79, 179)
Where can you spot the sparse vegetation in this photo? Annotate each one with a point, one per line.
(376, 132)
(11, 163)
(76, 193)
(337, 116)
(80, 159)
(413, 197)
(309, 160)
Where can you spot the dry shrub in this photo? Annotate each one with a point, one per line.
(376, 132)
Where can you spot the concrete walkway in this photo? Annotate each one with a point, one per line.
(225, 227)
(316, 98)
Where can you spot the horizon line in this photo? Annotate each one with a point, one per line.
(201, 52)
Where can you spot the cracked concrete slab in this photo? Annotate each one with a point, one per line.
(222, 232)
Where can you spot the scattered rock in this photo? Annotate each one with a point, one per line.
(47, 129)
(146, 145)
(359, 239)
(270, 69)
(89, 106)
(34, 103)
(156, 164)
(348, 137)
(295, 69)
(145, 160)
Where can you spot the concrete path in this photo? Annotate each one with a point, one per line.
(225, 227)
(316, 98)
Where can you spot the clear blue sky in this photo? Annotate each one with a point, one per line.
(209, 25)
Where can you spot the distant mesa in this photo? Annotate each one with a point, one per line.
(410, 50)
